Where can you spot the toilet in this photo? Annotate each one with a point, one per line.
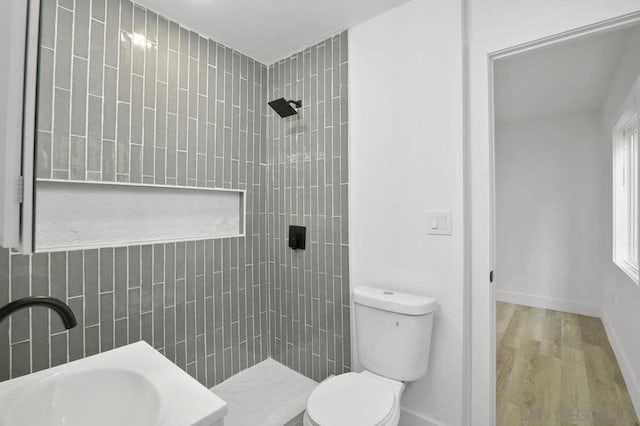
(393, 336)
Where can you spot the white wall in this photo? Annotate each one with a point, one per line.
(406, 158)
(626, 74)
(551, 227)
(494, 25)
(620, 295)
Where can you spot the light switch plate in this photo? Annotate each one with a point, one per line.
(439, 222)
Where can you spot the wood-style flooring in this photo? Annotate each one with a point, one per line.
(556, 368)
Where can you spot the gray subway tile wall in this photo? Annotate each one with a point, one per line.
(126, 95)
(309, 310)
(122, 295)
(109, 110)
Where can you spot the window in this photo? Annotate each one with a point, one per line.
(625, 143)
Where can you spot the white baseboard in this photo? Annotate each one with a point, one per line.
(630, 379)
(410, 418)
(548, 303)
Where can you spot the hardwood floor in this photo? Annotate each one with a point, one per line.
(556, 368)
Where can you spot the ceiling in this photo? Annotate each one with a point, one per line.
(563, 78)
(269, 30)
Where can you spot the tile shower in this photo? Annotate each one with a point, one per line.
(126, 95)
(308, 179)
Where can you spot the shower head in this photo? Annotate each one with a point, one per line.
(285, 108)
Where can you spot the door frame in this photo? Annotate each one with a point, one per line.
(585, 31)
(18, 125)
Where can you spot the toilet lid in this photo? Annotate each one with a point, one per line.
(351, 399)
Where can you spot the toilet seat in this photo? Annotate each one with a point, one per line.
(352, 399)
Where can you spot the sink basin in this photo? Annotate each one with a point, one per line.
(120, 397)
(131, 385)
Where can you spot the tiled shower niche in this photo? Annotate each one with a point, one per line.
(133, 97)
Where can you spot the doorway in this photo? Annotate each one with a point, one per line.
(562, 340)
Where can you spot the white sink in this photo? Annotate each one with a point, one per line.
(132, 385)
(71, 398)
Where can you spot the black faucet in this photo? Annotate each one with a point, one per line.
(61, 308)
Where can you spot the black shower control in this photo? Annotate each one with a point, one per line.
(297, 237)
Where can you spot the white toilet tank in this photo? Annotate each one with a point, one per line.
(393, 332)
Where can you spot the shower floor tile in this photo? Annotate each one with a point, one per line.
(267, 394)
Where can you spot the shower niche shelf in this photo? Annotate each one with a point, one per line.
(80, 215)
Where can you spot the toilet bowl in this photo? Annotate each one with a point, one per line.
(355, 399)
(393, 337)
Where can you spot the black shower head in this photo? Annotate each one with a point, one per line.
(285, 108)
